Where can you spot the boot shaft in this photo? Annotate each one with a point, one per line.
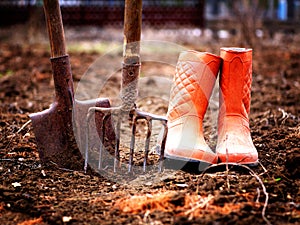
(235, 82)
(193, 83)
(234, 138)
(192, 86)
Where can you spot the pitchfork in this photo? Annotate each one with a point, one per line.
(129, 91)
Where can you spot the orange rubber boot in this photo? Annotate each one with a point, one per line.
(234, 139)
(194, 80)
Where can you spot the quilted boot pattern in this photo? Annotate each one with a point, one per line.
(193, 83)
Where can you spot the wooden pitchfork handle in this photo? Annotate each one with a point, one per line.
(132, 27)
(131, 54)
(55, 28)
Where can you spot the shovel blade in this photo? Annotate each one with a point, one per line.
(58, 131)
(55, 138)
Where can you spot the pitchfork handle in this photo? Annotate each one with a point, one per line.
(55, 28)
(132, 27)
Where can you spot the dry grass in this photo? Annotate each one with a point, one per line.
(32, 221)
(179, 203)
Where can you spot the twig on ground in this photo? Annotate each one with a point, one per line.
(264, 168)
(258, 195)
(7, 159)
(199, 205)
(22, 128)
(264, 120)
(227, 169)
(64, 169)
(252, 173)
(146, 217)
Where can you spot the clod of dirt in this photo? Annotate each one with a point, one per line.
(293, 162)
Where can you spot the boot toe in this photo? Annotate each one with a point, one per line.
(236, 146)
(242, 154)
(249, 158)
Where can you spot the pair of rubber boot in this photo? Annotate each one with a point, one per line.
(195, 77)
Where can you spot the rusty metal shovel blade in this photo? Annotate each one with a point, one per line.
(60, 130)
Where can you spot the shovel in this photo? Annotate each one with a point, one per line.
(59, 130)
(129, 93)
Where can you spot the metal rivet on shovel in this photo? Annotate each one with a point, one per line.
(129, 90)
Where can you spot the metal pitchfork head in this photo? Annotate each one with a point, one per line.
(129, 91)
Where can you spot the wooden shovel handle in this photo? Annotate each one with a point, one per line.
(55, 28)
(132, 27)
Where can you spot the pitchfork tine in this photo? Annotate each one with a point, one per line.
(87, 135)
(163, 145)
(147, 143)
(149, 117)
(101, 147)
(132, 144)
(117, 146)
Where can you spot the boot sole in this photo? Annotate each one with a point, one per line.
(184, 164)
(197, 166)
(250, 164)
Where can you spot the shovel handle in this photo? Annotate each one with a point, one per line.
(55, 28)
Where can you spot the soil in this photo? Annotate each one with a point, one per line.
(31, 193)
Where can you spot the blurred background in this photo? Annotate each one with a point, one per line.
(244, 22)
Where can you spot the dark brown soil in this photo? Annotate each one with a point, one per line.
(34, 194)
